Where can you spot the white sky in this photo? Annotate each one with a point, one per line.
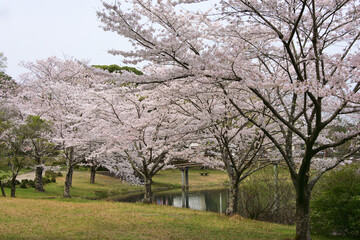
(37, 29)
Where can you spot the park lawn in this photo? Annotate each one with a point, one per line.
(32, 215)
(106, 187)
(81, 188)
(45, 219)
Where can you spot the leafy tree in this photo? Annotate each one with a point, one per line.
(7, 84)
(2, 62)
(118, 69)
(13, 145)
(38, 132)
(3, 175)
(336, 206)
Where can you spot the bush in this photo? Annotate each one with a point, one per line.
(50, 174)
(7, 184)
(59, 174)
(261, 199)
(31, 183)
(24, 181)
(53, 180)
(336, 205)
(46, 181)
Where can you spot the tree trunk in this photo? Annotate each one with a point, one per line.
(2, 189)
(303, 217)
(13, 186)
(38, 179)
(71, 172)
(92, 174)
(148, 192)
(67, 182)
(233, 198)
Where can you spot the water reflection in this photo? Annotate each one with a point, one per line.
(216, 201)
(206, 200)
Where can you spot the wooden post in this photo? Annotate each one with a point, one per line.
(220, 210)
(183, 198)
(183, 178)
(187, 198)
(187, 178)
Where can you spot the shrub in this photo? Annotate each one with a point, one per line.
(31, 183)
(336, 205)
(46, 181)
(7, 184)
(59, 174)
(50, 174)
(53, 180)
(261, 199)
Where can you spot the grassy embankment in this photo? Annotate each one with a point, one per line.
(81, 218)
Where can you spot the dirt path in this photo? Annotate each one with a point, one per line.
(29, 176)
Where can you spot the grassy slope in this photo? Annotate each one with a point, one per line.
(44, 219)
(80, 218)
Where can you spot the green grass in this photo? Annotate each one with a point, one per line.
(34, 215)
(106, 187)
(44, 219)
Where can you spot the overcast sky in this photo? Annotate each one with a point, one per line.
(36, 29)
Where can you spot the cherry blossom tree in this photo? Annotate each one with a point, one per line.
(298, 58)
(56, 91)
(139, 128)
(93, 168)
(95, 156)
(83, 105)
(219, 130)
